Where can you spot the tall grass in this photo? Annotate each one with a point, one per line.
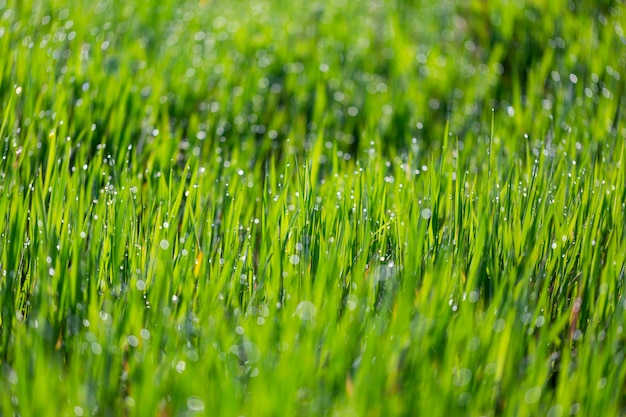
(332, 208)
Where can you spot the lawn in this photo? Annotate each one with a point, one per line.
(328, 208)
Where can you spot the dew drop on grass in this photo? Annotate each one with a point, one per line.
(10, 374)
(351, 302)
(510, 111)
(96, 348)
(145, 334)
(384, 272)
(133, 341)
(427, 213)
(490, 368)
(164, 244)
(555, 411)
(532, 395)
(474, 343)
(527, 318)
(294, 259)
(499, 325)
(462, 377)
(306, 310)
(78, 411)
(195, 404)
(540, 321)
(247, 352)
(464, 399)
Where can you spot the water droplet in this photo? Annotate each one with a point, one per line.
(96, 348)
(10, 374)
(164, 244)
(462, 377)
(540, 321)
(532, 395)
(247, 352)
(510, 111)
(427, 213)
(384, 272)
(195, 404)
(351, 302)
(133, 341)
(555, 411)
(306, 310)
(499, 325)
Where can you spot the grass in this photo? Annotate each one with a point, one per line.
(336, 208)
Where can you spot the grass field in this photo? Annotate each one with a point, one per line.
(294, 208)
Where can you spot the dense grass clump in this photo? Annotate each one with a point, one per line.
(342, 208)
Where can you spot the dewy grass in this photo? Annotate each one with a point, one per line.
(361, 208)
